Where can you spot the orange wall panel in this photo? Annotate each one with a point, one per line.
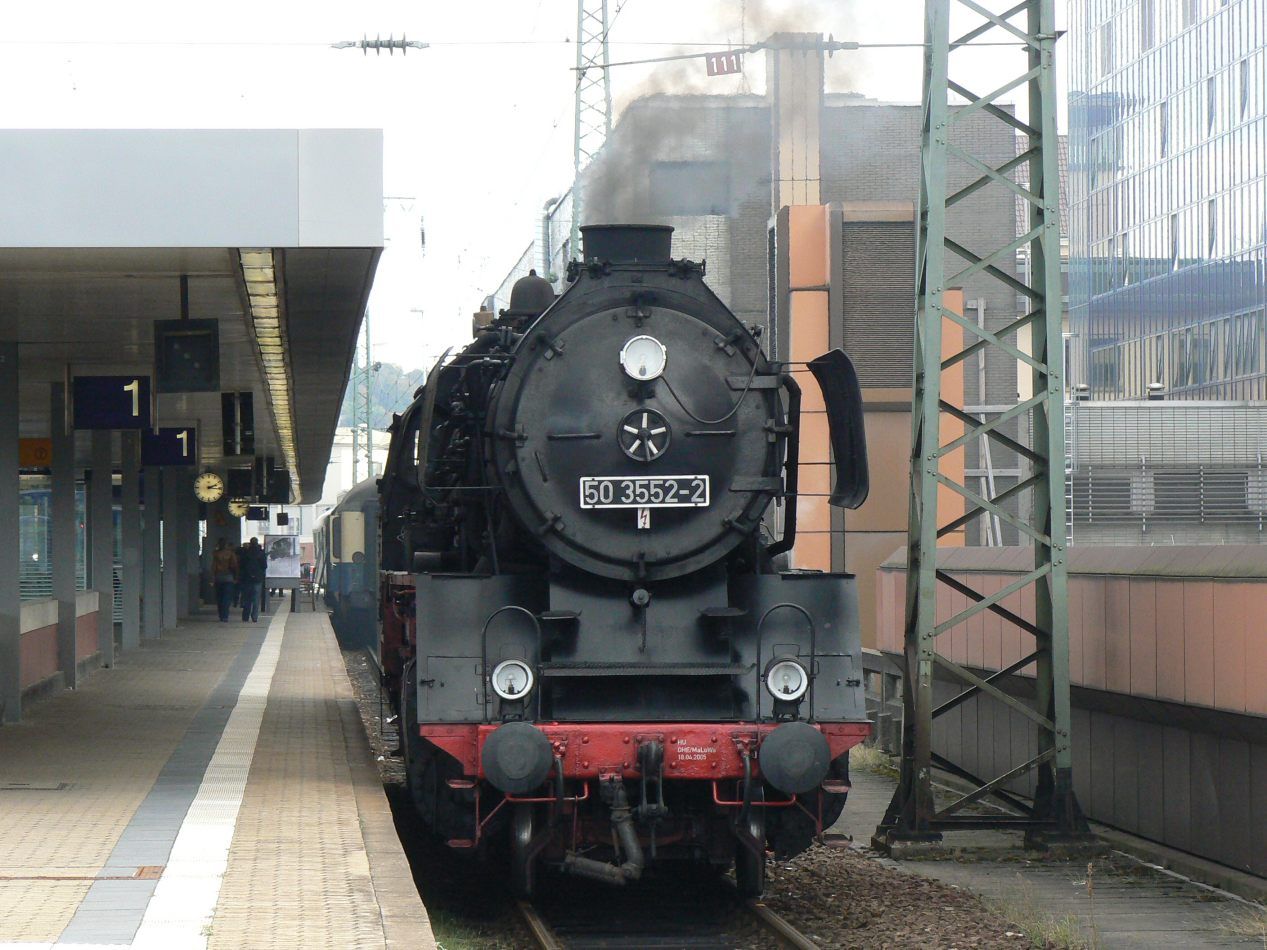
(1256, 650)
(86, 641)
(815, 433)
(974, 631)
(950, 504)
(883, 612)
(1142, 592)
(942, 613)
(809, 256)
(1010, 633)
(1198, 642)
(949, 603)
(1093, 617)
(1230, 602)
(1117, 634)
(991, 623)
(889, 459)
(1024, 639)
(893, 608)
(813, 552)
(1170, 638)
(37, 655)
(809, 338)
(1076, 641)
(811, 394)
(865, 551)
(974, 628)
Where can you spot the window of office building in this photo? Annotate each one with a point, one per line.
(1147, 24)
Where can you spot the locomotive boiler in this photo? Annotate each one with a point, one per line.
(599, 655)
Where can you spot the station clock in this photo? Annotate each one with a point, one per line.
(208, 487)
(238, 507)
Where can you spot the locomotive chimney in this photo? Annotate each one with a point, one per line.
(627, 243)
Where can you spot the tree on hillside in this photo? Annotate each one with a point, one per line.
(391, 390)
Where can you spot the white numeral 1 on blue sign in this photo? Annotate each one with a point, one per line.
(134, 388)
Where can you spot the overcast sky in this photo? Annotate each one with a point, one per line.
(477, 129)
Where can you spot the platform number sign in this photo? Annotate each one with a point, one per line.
(723, 64)
(170, 446)
(111, 402)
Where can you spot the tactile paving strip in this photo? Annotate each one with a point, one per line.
(179, 913)
(299, 875)
(76, 770)
(283, 837)
(112, 909)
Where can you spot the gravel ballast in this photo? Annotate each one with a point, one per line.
(845, 898)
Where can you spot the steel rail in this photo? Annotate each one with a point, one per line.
(540, 930)
(773, 922)
(779, 925)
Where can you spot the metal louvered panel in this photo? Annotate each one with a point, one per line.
(35, 582)
(1169, 433)
(1161, 499)
(1174, 471)
(878, 292)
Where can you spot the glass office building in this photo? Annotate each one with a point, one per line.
(1168, 198)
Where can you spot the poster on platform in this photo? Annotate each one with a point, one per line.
(283, 559)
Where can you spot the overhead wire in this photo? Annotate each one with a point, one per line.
(322, 44)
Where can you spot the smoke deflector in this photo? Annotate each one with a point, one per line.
(843, 397)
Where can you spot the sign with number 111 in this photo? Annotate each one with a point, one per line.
(723, 64)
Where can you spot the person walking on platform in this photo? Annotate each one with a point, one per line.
(254, 567)
(224, 569)
(237, 588)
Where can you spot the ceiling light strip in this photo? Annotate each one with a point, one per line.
(260, 276)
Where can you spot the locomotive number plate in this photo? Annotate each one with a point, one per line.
(645, 491)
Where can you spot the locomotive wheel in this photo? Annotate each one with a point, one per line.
(750, 863)
(407, 718)
(523, 861)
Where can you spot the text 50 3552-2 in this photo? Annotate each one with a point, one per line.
(645, 491)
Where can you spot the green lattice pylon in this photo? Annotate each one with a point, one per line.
(943, 262)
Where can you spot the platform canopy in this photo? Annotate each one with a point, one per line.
(276, 234)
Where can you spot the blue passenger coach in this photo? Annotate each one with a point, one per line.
(346, 544)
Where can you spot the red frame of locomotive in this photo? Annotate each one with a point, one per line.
(694, 751)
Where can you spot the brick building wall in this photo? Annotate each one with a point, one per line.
(870, 152)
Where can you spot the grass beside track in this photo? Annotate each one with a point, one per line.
(1043, 929)
(1252, 922)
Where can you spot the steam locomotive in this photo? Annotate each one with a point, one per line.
(599, 657)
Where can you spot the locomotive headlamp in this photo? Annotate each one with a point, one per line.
(643, 357)
(512, 679)
(786, 679)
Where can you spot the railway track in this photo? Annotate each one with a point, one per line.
(709, 917)
(668, 908)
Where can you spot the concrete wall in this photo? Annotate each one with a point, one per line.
(39, 657)
(1195, 640)
(1168, 661)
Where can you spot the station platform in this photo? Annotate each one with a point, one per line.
(1113, 902)
(215, 789)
